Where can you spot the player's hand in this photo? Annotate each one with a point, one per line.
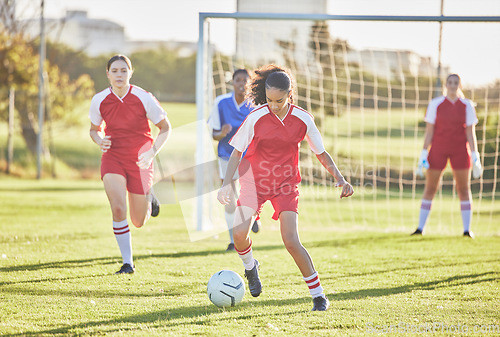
(105, 143)
(423, 162)
(477, 168)
(226, 128)
(347, 189)
(146, 159)
(224, 195)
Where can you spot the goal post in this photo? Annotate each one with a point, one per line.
(356, 110)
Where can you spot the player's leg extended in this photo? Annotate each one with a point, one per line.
(115, 187)
(432, 179)
(244, 217)
(462, 179)
(229, 210)
(290, 236)
(140, 209)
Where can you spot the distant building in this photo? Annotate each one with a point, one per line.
(98, 36)
(77, 30)
(7, 13)
(389, 63)
(252, 37)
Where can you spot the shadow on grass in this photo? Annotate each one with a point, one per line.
(204, 314)
(111, 260)
(52, 189)
(452, 281)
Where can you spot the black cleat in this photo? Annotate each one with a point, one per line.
(256, 226)
(230, 247)
(320, 303)
(417, 232)
(254, 284)
(125, 269)
(469, 234)
(155, 206)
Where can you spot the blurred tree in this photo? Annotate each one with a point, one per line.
(19, 69)
(164, 73)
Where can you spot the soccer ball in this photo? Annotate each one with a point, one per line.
(225, 288)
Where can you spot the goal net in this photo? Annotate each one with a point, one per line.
(369, 102)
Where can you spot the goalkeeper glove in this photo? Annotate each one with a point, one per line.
(422, 163)
(477, 168)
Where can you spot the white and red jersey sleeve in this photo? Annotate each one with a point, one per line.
(95, 111)
(470, 112)
(244, 136)
(313, 136)
(430, 115)
(154, 111)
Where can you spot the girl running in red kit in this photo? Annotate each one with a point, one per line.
(128, 150)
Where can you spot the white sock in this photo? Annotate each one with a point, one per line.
(122, 235)
(230, 223)
(466, 208)
(425, 209)
(314, 285)
(247, 257)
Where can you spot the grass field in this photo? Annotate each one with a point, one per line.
(58, 255)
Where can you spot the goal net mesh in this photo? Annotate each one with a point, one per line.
(369, 104)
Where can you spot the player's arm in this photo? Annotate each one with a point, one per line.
(104, 143)
(219, 134)
(470, 134)
(477, 167)
(429, 134)
(146, 158)
(224, 194)
(327, 161)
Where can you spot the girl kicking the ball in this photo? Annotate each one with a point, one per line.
(271, 135)
(450, 133)
(128, 150)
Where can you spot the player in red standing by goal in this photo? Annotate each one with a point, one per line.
(450, 134)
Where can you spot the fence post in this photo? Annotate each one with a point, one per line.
(10, 136)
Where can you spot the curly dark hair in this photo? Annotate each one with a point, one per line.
(256, 86)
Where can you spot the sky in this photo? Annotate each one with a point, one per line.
(470, 49)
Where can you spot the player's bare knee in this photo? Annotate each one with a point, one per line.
(292, 245)
(240, 236)
(119, 211)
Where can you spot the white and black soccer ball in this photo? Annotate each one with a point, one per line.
(226, 288)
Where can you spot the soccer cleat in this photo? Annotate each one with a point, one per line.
(155, 206)
(230, 247)
(321, 303)
(254, 284)
(469, 234)
(417, 232)
(256, 226)
(125, 269)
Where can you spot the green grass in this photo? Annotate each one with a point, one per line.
(58, 255)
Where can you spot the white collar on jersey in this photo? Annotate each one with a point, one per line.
(121, 98)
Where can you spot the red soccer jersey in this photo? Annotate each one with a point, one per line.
(126, 118)
(450, 120)
(273, 145)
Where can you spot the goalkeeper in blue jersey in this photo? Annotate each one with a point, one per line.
(229, 111)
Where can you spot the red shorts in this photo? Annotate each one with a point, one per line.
(459, 158)
(139, 181)
(285, 198)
